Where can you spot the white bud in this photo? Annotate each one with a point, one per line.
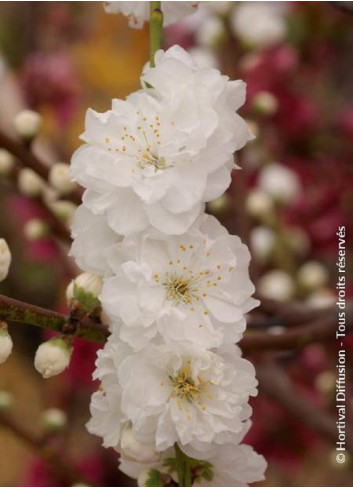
(59, 178)
(5, 343)
(27, 124)
(5, 259)
(277, 285)
(265, 103)
(7, 162)
(259, 205)
(280, 182)
(6, 400)
(262, 241)
(136, 450)
(64, 209)
(53, 419)
(35, 229)
(52, 357)
(211, 32)
(29, 183)
(312, 275)
(89, 282)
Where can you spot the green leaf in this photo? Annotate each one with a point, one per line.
(88, 302)
(154, 479)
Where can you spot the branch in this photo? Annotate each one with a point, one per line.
(323, 328)
(21, 312)
(277, 385)
(28, 159)
(57, 463)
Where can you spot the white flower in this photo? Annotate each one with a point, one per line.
(139, 12)
(52, 357)
(92, 237)
(210, 32)
(280, 182)
(27, 124)
(155, 158)
(231, 466)
(29, 183)
(259, 24)
(135, 450)
(204, 57)
(173, 393)
(195, 287)
(5, 259)
(277, 285)
(59, 178)
(5, 343)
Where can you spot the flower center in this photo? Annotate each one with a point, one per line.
(179, 289)
(184, 386)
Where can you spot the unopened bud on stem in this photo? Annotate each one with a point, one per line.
(53, 356)
(5, 343)
(5, 259)
(27, 124)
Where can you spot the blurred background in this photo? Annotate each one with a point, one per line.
(287, 202)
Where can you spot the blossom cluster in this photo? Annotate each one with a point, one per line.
(176, 285)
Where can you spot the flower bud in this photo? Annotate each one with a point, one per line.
(211, 32)
(262, 241)
(280, 182)
(136, 450)
(6, 400)
(312, 275)
(35, 229)
(29, 183)
(88, 282)
(5, 259)
(63, 209)
(7, 162)
(321, 298)
(53, 357)
(276, 285)
(53, 419)
(259, 205)
(85, 289)
(5, 343)
(27, 124)
(59, 178)
(264, 103)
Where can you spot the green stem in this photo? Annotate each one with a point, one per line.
(156, 25)
(183, 467)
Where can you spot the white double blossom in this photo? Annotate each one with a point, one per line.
(157, 157)
(194, 397)
(139, 12)
(176, 285)
(194, 287)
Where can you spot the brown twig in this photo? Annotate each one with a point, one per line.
(58, 464)
(276, 384)
(321, 329)
(29, 159)
(21, 312)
